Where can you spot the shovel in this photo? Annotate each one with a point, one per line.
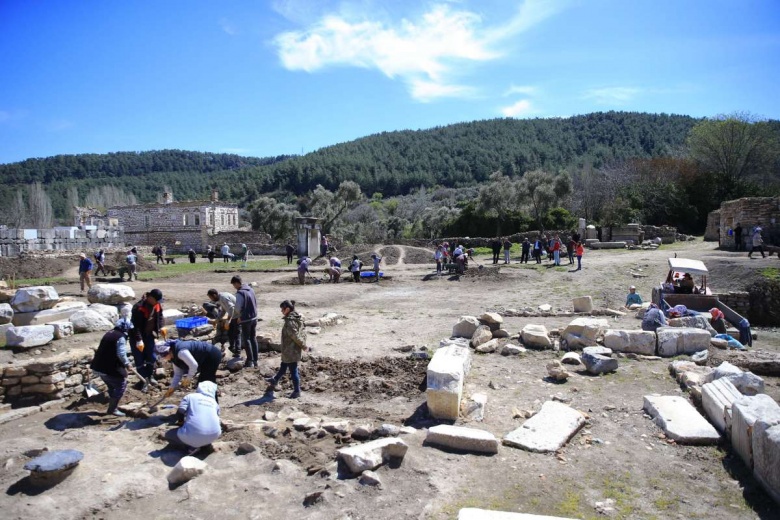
(89, 390)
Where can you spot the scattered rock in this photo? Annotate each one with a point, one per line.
(679, 420)
(186, 469)
(29, 336)
(372, 454)
(597, 360)
(388, 430)
(700, 358)
(547, 431)
(369, 478)
(362, 432)
(536, 336)
(463, 439)
(481, 335)
(53, 466)
(512, 350)
(488, 347)
(90, 321)
(474, 407)
(571, 358)
(246, 447)
(465, 327)
(583, 304)
(557, 371)
(235, 364)
(313, 498)
(30, 299)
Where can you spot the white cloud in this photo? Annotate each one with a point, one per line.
(612, 95)
(526, 90)
(426, 53)
(518, 109)
(227, 27)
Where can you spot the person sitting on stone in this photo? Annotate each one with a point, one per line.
(718, 321)
(633, 300)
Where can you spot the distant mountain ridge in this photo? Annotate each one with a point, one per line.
(392, 163)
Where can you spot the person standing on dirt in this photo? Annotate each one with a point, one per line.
(100, 260)
(507, 249)
(355, 267)
(538, 249)
(579, 251)
(210, 254)
(525, 250)
(160, 253)
(376, 258)
(191, 255)
(570, 247)
(225, 253)
(438, 257)
(303, 269)
(190, 358)
(222, 308)
(111, 364)
(246, 314)
(293, 345)
(85, 269)
(198, 416)
(290, 250)
(132, 266)
(324, 246)
(556, 247)
(147, 318)
(495, 246)
(757, 241)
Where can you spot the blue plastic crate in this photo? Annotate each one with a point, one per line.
(192, 322)
(370, 274)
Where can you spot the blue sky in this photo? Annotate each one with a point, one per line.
(266, 78)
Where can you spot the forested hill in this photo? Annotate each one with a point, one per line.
(391, 163)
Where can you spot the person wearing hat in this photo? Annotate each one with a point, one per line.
(111, 364)
(85, 269)
(190, 358)
(147, 318)
(633, 300)
(198, 415)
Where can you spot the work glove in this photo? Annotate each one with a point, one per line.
(185, 383)
(227, 325)
(164, 333)
(169, 392)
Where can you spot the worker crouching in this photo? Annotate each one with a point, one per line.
(190, 358)
(198, 416)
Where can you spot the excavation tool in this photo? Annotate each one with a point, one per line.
(167, 394)
(89, 390)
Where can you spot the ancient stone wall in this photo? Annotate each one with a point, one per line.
(667, 234)
(39, 380)
(15, 241)
(713, 223)
(749, 212)
(739, 301)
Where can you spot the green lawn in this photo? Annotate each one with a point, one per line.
(183, 266)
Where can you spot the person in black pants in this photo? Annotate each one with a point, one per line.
(246, 313)
(190, 358)
(738, 237)
(147, 319)
(495, 245)
(289, 249)
(525, 249)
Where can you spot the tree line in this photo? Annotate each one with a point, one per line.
(477, 178)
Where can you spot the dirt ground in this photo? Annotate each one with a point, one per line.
(355, 373)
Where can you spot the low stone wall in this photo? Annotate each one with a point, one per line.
(38, 380)
(739, 301)
(748, 212)
(667, 234)
(13, 241)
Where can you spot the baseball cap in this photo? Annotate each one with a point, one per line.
(156, 294)
(632, 287)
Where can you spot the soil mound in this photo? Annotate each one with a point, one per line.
(24, 266)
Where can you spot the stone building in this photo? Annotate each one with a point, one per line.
(178, 226)
(749, 212)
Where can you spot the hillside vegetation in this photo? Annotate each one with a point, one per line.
(609, 167)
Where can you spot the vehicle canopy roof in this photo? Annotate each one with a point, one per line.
(686, 265)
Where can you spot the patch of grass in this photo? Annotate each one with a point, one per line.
(771, 273)
(619, 488)
(663, 503)
(181, 268)
(29, 282)
(570, 505)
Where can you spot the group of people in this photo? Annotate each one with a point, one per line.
(334, 268)
(446, 254)
(87, 266)
(756, 239)
(236, 318)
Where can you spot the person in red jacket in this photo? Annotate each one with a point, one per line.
(147, 318)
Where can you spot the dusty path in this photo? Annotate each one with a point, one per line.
(356, 377)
